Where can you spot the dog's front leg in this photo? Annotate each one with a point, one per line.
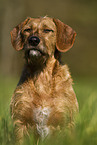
(20, 133)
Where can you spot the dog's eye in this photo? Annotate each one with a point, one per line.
(47, 30)
(27, 30)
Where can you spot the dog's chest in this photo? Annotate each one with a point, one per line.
(43, 107)
(40, 116)
(46, 101)
(48, 104)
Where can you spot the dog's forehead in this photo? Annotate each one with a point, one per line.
(42, 22)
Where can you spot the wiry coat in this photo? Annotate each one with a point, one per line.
(44, 100)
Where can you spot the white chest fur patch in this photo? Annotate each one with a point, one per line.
(41, 117)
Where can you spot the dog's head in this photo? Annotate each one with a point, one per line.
(40, 38)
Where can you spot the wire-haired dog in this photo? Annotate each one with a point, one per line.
(44, 100)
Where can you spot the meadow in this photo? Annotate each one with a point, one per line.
(85, 132)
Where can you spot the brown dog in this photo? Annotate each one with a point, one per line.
(44, 99)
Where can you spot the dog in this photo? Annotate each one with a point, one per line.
(44, 100)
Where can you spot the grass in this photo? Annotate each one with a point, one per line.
(86, 123)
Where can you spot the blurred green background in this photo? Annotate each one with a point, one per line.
(81, 15)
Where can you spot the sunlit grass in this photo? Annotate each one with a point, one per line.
(85, 132)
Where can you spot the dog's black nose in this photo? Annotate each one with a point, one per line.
(34, 41)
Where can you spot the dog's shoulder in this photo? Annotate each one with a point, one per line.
(62, 71)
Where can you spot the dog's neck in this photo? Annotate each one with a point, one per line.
(34, 71)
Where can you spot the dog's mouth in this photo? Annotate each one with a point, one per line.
(35, 52)
(35, 55)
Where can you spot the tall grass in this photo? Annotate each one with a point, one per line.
(85, 132)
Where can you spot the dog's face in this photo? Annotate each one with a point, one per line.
(40, 37)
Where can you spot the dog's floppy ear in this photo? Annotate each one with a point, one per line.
(65, 36)
(16, 35)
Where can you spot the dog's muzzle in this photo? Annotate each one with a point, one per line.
(34, 54)
(34, 51)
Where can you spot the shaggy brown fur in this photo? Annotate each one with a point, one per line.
(44, 100)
